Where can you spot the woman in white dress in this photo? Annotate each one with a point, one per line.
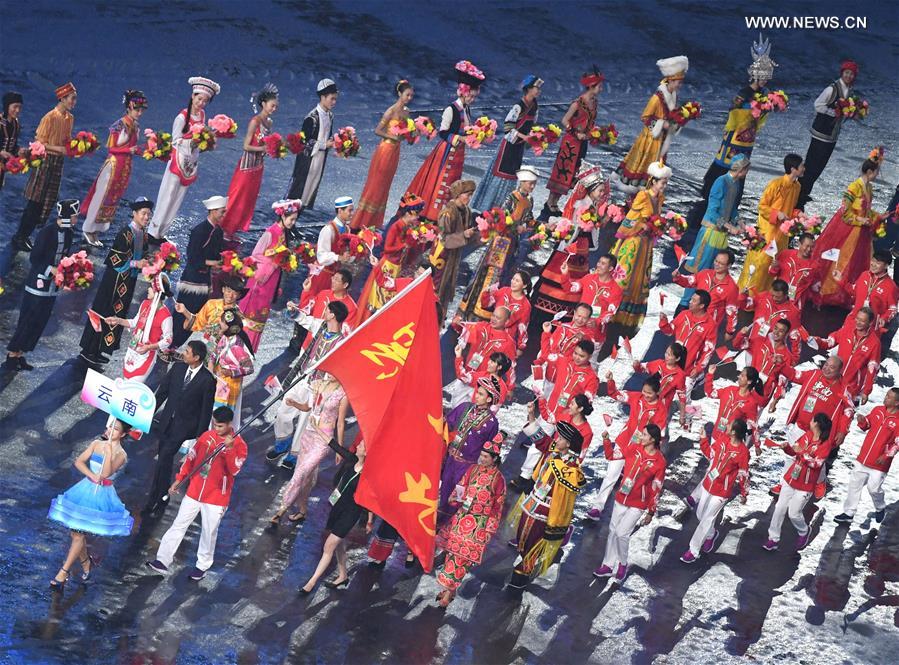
(181, 171)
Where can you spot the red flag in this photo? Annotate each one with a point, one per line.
(626, 343)
(614, 351)
(95, 319)
(389, 367)
(722, 352)
(771, 443)
(680, 254)
(661, 299)
(607, 419)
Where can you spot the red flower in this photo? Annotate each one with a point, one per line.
(481, 535)
(467, 524)
(483, 496)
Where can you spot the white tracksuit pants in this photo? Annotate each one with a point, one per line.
(864, 476)
(609, 481)
(789, 502)
(708, 507)
(624, 519)
(210, 518)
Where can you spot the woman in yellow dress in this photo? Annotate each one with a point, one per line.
(634, 247)
(778, 203)
(655, 138)
(851, 230)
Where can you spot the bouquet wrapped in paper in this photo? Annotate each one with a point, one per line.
(603, 135)
(74, 273)
(419, 233)
(346, 144)
(223, 126)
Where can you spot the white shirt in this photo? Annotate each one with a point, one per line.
(824, 97)
(324, 128)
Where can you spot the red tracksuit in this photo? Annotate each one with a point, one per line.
(641, 414)
(570, 380)
(642, 478)
(801, 275)
(809, 456)
(728, 467)
(604, 298)
(484, 341)
(520, 309)
(768, 358)
(860, 355)
(879, 293)
(882, 439)
(725, 295)
(820, 395)
(698, 334)
(214, 483)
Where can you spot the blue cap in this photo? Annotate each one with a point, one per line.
(343, 201)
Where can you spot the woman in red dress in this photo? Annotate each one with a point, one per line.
(577, 123)
(247, 178)
(444, 165)
(373, 202)
(102, 201)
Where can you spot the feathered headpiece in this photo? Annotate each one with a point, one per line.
(269, 91)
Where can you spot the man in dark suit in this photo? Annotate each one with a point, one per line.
(187, 392)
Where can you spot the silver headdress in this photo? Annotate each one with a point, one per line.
(269, 90)
(762, 67)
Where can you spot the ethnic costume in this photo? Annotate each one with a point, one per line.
(470, 428)
(262, 288)
(654, 140)
(779, 196)
(310, 163)
(151, 325)
(232, 360)
(499, 181)
(326, 249)
(42, 189)
(825, 130)
(9, 129)
(204, 244)
(500, 259)
(182, 169)
(634, 252)
(52, 243)
(466, 536)
(571, 148)
(722, 209)
(93, 508)
(245, 184)
(544, 515)
(850, 231)
(446, 254)
(109, 186)
(116, 289)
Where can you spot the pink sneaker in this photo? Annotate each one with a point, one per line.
(602, 571)
(622, 573)
(802, 541)
(594, 514)
(770, 545)
(687, 557)
(691, 501)
(709, 543)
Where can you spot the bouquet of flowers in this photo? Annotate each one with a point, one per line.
(404, 129)
(540, 138)
(295, 142)
(371, 237)
(74, 273)
(610, 212)
(852, 108)
(752, 239)
(670, 223)
(231, 262)
(482, 131)
(603, 135)
(283, 258)
(560, 230)
(203, 137)
(541, 233)
(880, 228)
(588, 220)
(801, 223)
(158, 146)
(419, 233)
(84, 143)
(350, 242)
(223, 126)
(31, 158)
(345, 142)
(687, 112)
(306, 252)
(494, 221)
(425, 127)
(771, 102)
(274, 146)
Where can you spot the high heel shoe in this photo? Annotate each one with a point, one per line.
(276, 518)
(86, 575)
(56, 585)
(336, 585)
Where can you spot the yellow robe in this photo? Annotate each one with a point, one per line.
(780, 195)
(855, 214)
(647, 148)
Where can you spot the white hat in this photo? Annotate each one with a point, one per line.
(674, 67)
(326, 86)
(527, 174)
(203, 84)
(343, 201)
(216, 202)
(659, 171)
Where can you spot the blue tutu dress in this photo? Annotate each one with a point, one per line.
(92, 508)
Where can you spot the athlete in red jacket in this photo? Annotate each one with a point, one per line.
(720, 286)
(696, 329)
(858, 346)
(599, 290)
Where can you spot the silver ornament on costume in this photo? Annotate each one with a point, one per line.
(762, 67)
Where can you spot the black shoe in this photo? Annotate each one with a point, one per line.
(24, 365)
(272, 454)
(22, 243)
(843, 518)
(157, 567)
(879, 515)
(377, 564)
(336, 585)
(196, 574)
(11, 363)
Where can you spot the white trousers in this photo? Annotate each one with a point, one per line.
(624, 519)
(863, 476)
(530, 462)
(609, 481)
(168, 203)
(210, 517)
(90, 218)
(708, 507)
(285, 415)
(789, 502)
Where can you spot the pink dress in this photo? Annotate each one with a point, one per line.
(313, 446)
(245, 185)
(262, 289)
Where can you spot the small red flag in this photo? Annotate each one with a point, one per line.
(771, 443)
(721, 352)
(661, 299)
(95, 319)
(614, 351)
(626, 343)
(607, 419)
(680, 254)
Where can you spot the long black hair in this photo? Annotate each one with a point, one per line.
(755, 381)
